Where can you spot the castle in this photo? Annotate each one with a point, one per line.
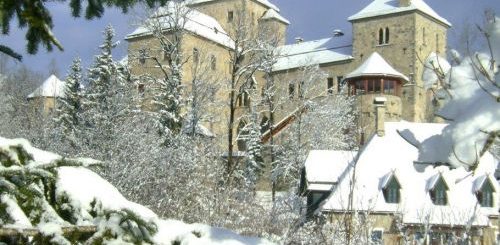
(404, 33)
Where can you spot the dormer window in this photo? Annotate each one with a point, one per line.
(438, 191)
(485, 193)
(392, 190)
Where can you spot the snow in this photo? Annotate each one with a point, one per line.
(263, 2)
(386, 7)
(70, 181)
(82, 192)
(324, 168)
(196, 22)
(472, 108)
(393, 155)
(272, 14)
(375, 65)
(15, 212)
(435, 65)
(170, 231)
(322, 51)
(52, 87)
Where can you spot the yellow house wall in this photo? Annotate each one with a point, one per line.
(219, 10)
(219, 77)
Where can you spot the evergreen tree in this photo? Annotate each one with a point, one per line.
(35, 15)
(69, 109)
(105, 98)
(254, 161)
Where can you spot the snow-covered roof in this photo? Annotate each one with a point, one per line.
(393, 155)
(322, 51)
(272, 14)
(385, 7)
(196, 22)
(375, 65)
(52, 87)
(324, 167)
(263, 2)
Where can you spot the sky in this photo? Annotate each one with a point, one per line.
(310, 19)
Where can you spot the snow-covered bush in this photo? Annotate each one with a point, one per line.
(471, 89)
(49, 199)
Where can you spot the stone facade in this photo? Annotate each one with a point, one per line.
(412, 37)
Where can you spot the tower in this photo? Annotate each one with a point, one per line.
(404, 33)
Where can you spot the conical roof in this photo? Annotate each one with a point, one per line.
(52, 87)
(375, 65)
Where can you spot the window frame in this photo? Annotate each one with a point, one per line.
(488, 199)
(380, 240)
(392, 193)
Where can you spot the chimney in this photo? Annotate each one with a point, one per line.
(338, 33)
(299, 40)
(404, 3)
(379, 103)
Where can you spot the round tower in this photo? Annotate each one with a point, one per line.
(372, 79)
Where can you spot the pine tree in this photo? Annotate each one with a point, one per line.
(69, 109)
(104, 102)
(254, 161)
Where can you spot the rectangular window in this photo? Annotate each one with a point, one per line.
(196, 55)
(291, 90)
(213, 62)
(330, 85)
(340, 83)
(230, 16)
(377, 236)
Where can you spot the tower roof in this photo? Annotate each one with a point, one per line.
(272, 14)
(52, 87)
(263, 2)
(375, 65)
(385, 7)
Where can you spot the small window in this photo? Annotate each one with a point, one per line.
(438, 192)
(485, 194)
(230, 16)
(391, 191)
(381, 37)
(301, 89)
(140, 88)
(340, 83)
(424, 41)
(291, 90)
(196, 55)
(213, 62)
(386, 35)
(377, 236)
(329, 84)
(142, 56)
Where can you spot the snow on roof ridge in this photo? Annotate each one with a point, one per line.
(272, 14)
(385, 7)
(197, 23)
(263, 2)
(51, 87)
(376, 65)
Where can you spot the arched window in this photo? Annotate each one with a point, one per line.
(381, 36)
(386, 35)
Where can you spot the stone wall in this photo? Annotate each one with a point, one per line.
(405, 51)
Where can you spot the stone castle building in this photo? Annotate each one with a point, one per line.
(403, 33)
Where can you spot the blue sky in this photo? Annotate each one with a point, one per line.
(311, 19)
